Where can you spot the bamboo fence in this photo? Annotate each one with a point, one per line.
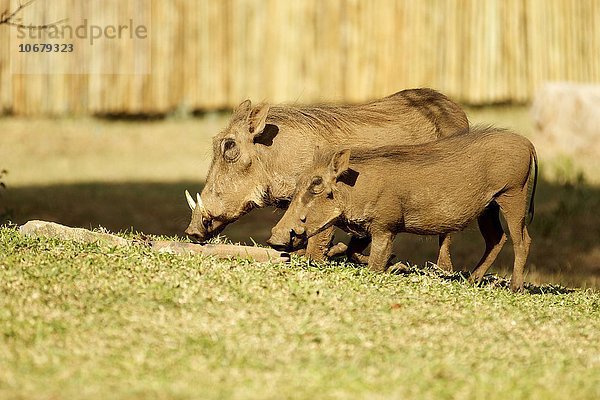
(211, 54)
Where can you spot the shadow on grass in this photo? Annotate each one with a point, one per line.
(488, 280)
(152, 208)
(565, 230)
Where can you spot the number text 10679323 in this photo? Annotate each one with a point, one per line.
(46, 48)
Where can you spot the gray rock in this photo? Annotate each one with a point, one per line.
(37, 228)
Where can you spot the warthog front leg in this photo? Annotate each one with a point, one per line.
(319, 244)
(381, 250)
(356, 248)
(353, 250)
(337, 250)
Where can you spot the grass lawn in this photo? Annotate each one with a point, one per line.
(90, 322)
(82, 321)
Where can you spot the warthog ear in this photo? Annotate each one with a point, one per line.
(258, 119)
(340, 162)
(242, 111)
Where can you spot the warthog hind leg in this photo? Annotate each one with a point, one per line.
(444, 260)
(514, 207)
(491, 229)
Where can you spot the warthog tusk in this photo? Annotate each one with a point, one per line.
(199, 201)
(190, 200)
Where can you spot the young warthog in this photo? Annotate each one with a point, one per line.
(429, 189)
(260, 154)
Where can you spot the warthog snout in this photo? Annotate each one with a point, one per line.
(287, 240)
(278, 245)
(204, 229)
(203, 225)
(194, 233)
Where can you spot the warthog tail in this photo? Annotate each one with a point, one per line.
(535, 178)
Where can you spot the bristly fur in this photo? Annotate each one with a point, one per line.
(426, 151)
(327, 119)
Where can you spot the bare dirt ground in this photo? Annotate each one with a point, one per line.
(131, 175)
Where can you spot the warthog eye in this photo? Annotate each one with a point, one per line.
(316, 185)
(230, 150)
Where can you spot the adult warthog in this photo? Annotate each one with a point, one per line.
(258, 157)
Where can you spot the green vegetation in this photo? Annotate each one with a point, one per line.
(82, 321)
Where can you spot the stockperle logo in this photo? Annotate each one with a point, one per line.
(80, 37)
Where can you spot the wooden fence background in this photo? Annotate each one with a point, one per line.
(211, 54)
